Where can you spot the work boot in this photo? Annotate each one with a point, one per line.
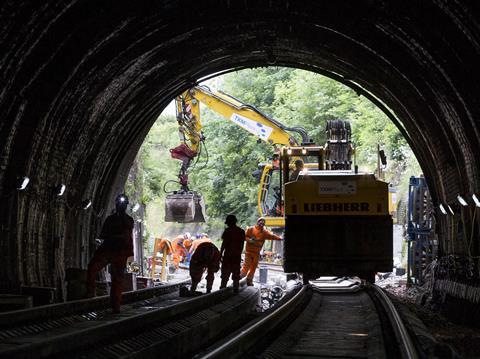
(183, 292)
(250, 282)
(223, 284)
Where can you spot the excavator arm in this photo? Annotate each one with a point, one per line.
(243, 115)
(184, 205)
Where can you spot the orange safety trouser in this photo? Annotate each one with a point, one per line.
(249, 266)
(100, 260)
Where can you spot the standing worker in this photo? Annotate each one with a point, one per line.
(117, 246)
(206, 256)
(231, 252)
(255, 238)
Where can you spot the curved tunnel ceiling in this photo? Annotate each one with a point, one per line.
(84, 81)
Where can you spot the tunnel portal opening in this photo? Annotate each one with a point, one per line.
(222, 170)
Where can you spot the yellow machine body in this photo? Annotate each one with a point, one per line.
(337, 222)
(336, 193)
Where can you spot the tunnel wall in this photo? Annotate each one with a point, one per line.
(83, 82)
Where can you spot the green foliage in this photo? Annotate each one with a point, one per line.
(224, 172)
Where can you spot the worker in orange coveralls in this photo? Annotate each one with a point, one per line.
(255, 238)
(206, 256)
(231, 252)
(179, 250)
(116, 247)
(203, 239)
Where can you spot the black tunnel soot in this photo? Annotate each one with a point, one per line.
(83, 81)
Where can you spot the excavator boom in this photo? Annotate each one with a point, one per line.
(184, 205)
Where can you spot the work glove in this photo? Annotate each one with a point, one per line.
(252, 240)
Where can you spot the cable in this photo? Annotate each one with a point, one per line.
(170, 181)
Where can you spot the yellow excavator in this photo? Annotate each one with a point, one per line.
(336, 220)
(187, 206)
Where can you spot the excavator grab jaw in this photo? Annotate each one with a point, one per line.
(184, 207)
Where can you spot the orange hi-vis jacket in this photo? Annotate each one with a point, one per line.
(197, 242)
(259, 237)
(177, 246)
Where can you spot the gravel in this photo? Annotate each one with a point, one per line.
(464, 340)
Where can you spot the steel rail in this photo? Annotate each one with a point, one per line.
(401, 331)
(24, 316)
(247, 338)
(82, 336)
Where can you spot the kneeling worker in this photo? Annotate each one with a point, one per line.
(206, 256)
(255, 238)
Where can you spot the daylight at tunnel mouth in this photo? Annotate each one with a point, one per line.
(231, 158)
(83, 86)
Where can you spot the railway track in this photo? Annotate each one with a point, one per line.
(333, 317)
(323, 321)
(13, 322)
(23, 330)
(151, 320)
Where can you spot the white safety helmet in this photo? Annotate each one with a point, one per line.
(186, 235)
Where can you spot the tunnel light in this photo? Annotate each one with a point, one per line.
(304, 151)
(86, 204)
(122, 199)
(24, 183)
(442, 209)
(289, 151)
(450, 209)
(135, 208)
(475, 199)
(60, 190)
(462, 201)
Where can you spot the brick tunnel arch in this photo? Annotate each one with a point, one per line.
(83, 83)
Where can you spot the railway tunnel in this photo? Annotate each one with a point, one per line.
(83, 82)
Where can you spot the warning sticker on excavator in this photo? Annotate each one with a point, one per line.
(337, 187)
(258, 129)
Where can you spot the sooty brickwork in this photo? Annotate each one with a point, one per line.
(83, 81)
